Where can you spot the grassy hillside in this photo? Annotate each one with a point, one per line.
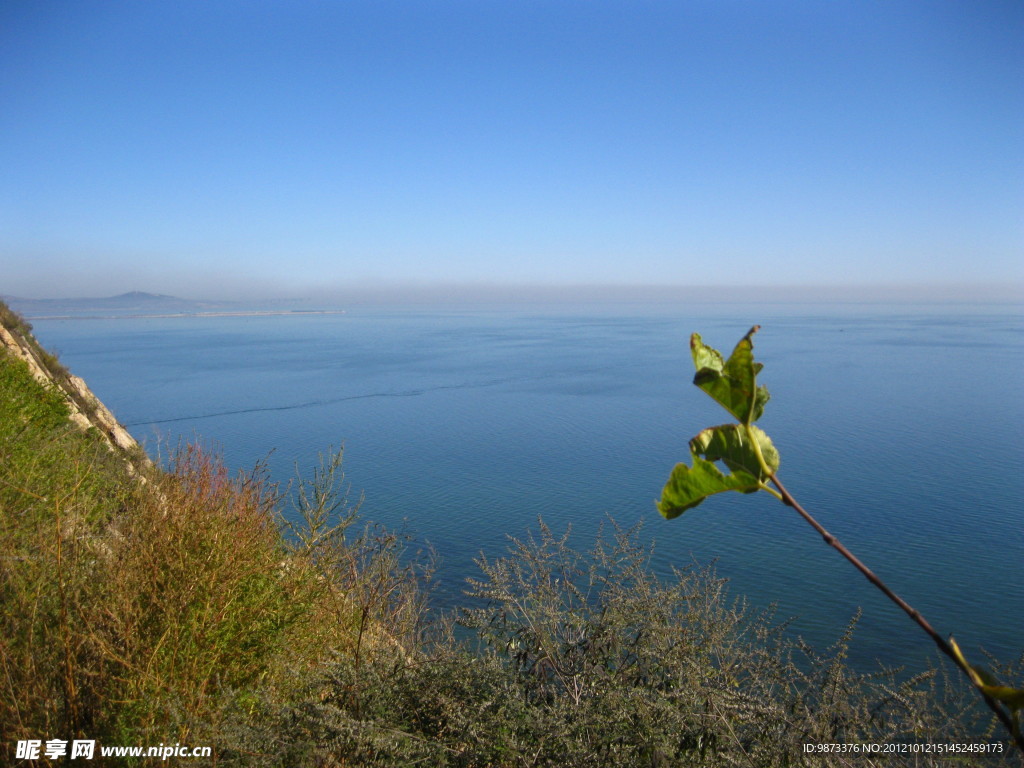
(182, 609)
(139, 611)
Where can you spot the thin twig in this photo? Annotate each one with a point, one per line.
(943, 645)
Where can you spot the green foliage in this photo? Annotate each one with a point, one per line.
(14, 322)
(26, 403)
(733, 382)
(60, 376)
(734, 446)
(140, 609)
(586, 659)
(58, 487)
(192, 595)
(744, 449)
(752, 461)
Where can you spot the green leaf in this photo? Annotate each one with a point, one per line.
(730, 444)
(733, 382)
(689, 486)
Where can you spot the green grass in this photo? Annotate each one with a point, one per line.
(139, 608)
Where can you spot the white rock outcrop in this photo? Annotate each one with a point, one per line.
(101, 418)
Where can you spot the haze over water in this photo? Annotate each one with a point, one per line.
(898, 427)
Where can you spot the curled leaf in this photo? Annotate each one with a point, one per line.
(689, 486)
(729, 443)
(731, 383)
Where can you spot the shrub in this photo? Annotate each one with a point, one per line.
(583, 660)
(58, 487)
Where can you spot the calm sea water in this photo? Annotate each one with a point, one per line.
(901, 428)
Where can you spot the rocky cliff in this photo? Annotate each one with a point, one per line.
(85, 408)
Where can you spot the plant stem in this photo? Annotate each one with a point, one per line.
(944, 646)
(765, 469)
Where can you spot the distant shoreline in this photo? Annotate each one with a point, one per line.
(172, 315)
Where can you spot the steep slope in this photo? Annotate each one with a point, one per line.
(84, 409)
(132, 596)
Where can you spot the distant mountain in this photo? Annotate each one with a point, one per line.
(142, 296)
(133, 301)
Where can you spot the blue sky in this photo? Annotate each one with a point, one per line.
(281, 148)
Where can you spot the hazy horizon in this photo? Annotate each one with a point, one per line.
(456, 293)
